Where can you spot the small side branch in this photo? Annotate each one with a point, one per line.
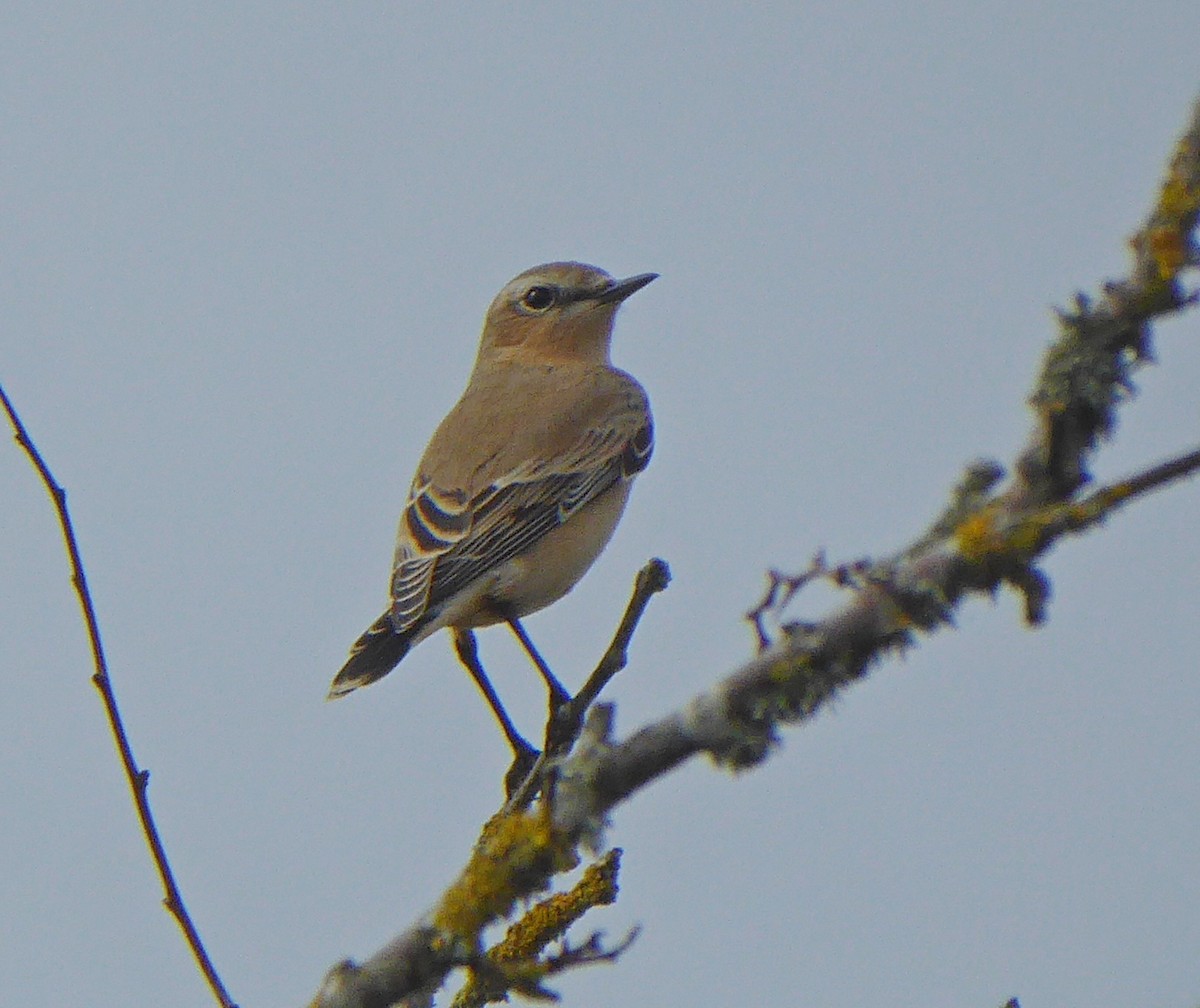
(564, 727)
(566, 722)
(138, 778)
(651, 579)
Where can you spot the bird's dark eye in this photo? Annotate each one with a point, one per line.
(538, 298)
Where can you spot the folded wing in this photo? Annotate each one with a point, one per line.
(449, 539)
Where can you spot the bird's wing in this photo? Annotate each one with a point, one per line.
(448, 538)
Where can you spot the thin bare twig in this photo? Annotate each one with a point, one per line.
(651, 579)
(565, 724)
(563, 729)
(781, 589)
(138, 778)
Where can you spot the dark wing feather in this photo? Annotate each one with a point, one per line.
(447, 542)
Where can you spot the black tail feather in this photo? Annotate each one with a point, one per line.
(372, 656)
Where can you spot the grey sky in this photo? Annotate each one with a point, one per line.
(246, 253)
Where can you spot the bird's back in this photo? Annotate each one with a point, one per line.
(516, 416)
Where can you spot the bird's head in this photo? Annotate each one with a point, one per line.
(557, 311)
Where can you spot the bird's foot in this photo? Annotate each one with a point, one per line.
(525, 758)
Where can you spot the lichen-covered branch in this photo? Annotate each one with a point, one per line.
(990, 536)
(517, 958)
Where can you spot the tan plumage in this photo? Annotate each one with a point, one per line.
(523, 482)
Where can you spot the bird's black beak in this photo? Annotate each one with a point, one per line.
(621, 289)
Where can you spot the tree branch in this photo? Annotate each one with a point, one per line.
(986, 538)
(138, 778)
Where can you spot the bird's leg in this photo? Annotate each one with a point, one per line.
(562, 721)
(558, 694)
(524, 755)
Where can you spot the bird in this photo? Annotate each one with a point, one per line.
(522, 484)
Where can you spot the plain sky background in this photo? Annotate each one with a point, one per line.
(246, 249)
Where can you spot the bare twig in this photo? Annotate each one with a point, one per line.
(563, 729)
(651, 579)
(986, 539)
(138, 778)
(564, 725)
(781, 589)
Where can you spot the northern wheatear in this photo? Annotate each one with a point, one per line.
(523, 482)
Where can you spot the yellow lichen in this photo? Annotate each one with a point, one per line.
(516, 956)
(515, 856)
(1170, 251)
(552, 916)
(1028, 535)
(784, 670)
(983, 536)
(1177, 198)
(1178, 204)
(978, 537)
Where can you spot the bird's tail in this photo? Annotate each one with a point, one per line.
(372, 656)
